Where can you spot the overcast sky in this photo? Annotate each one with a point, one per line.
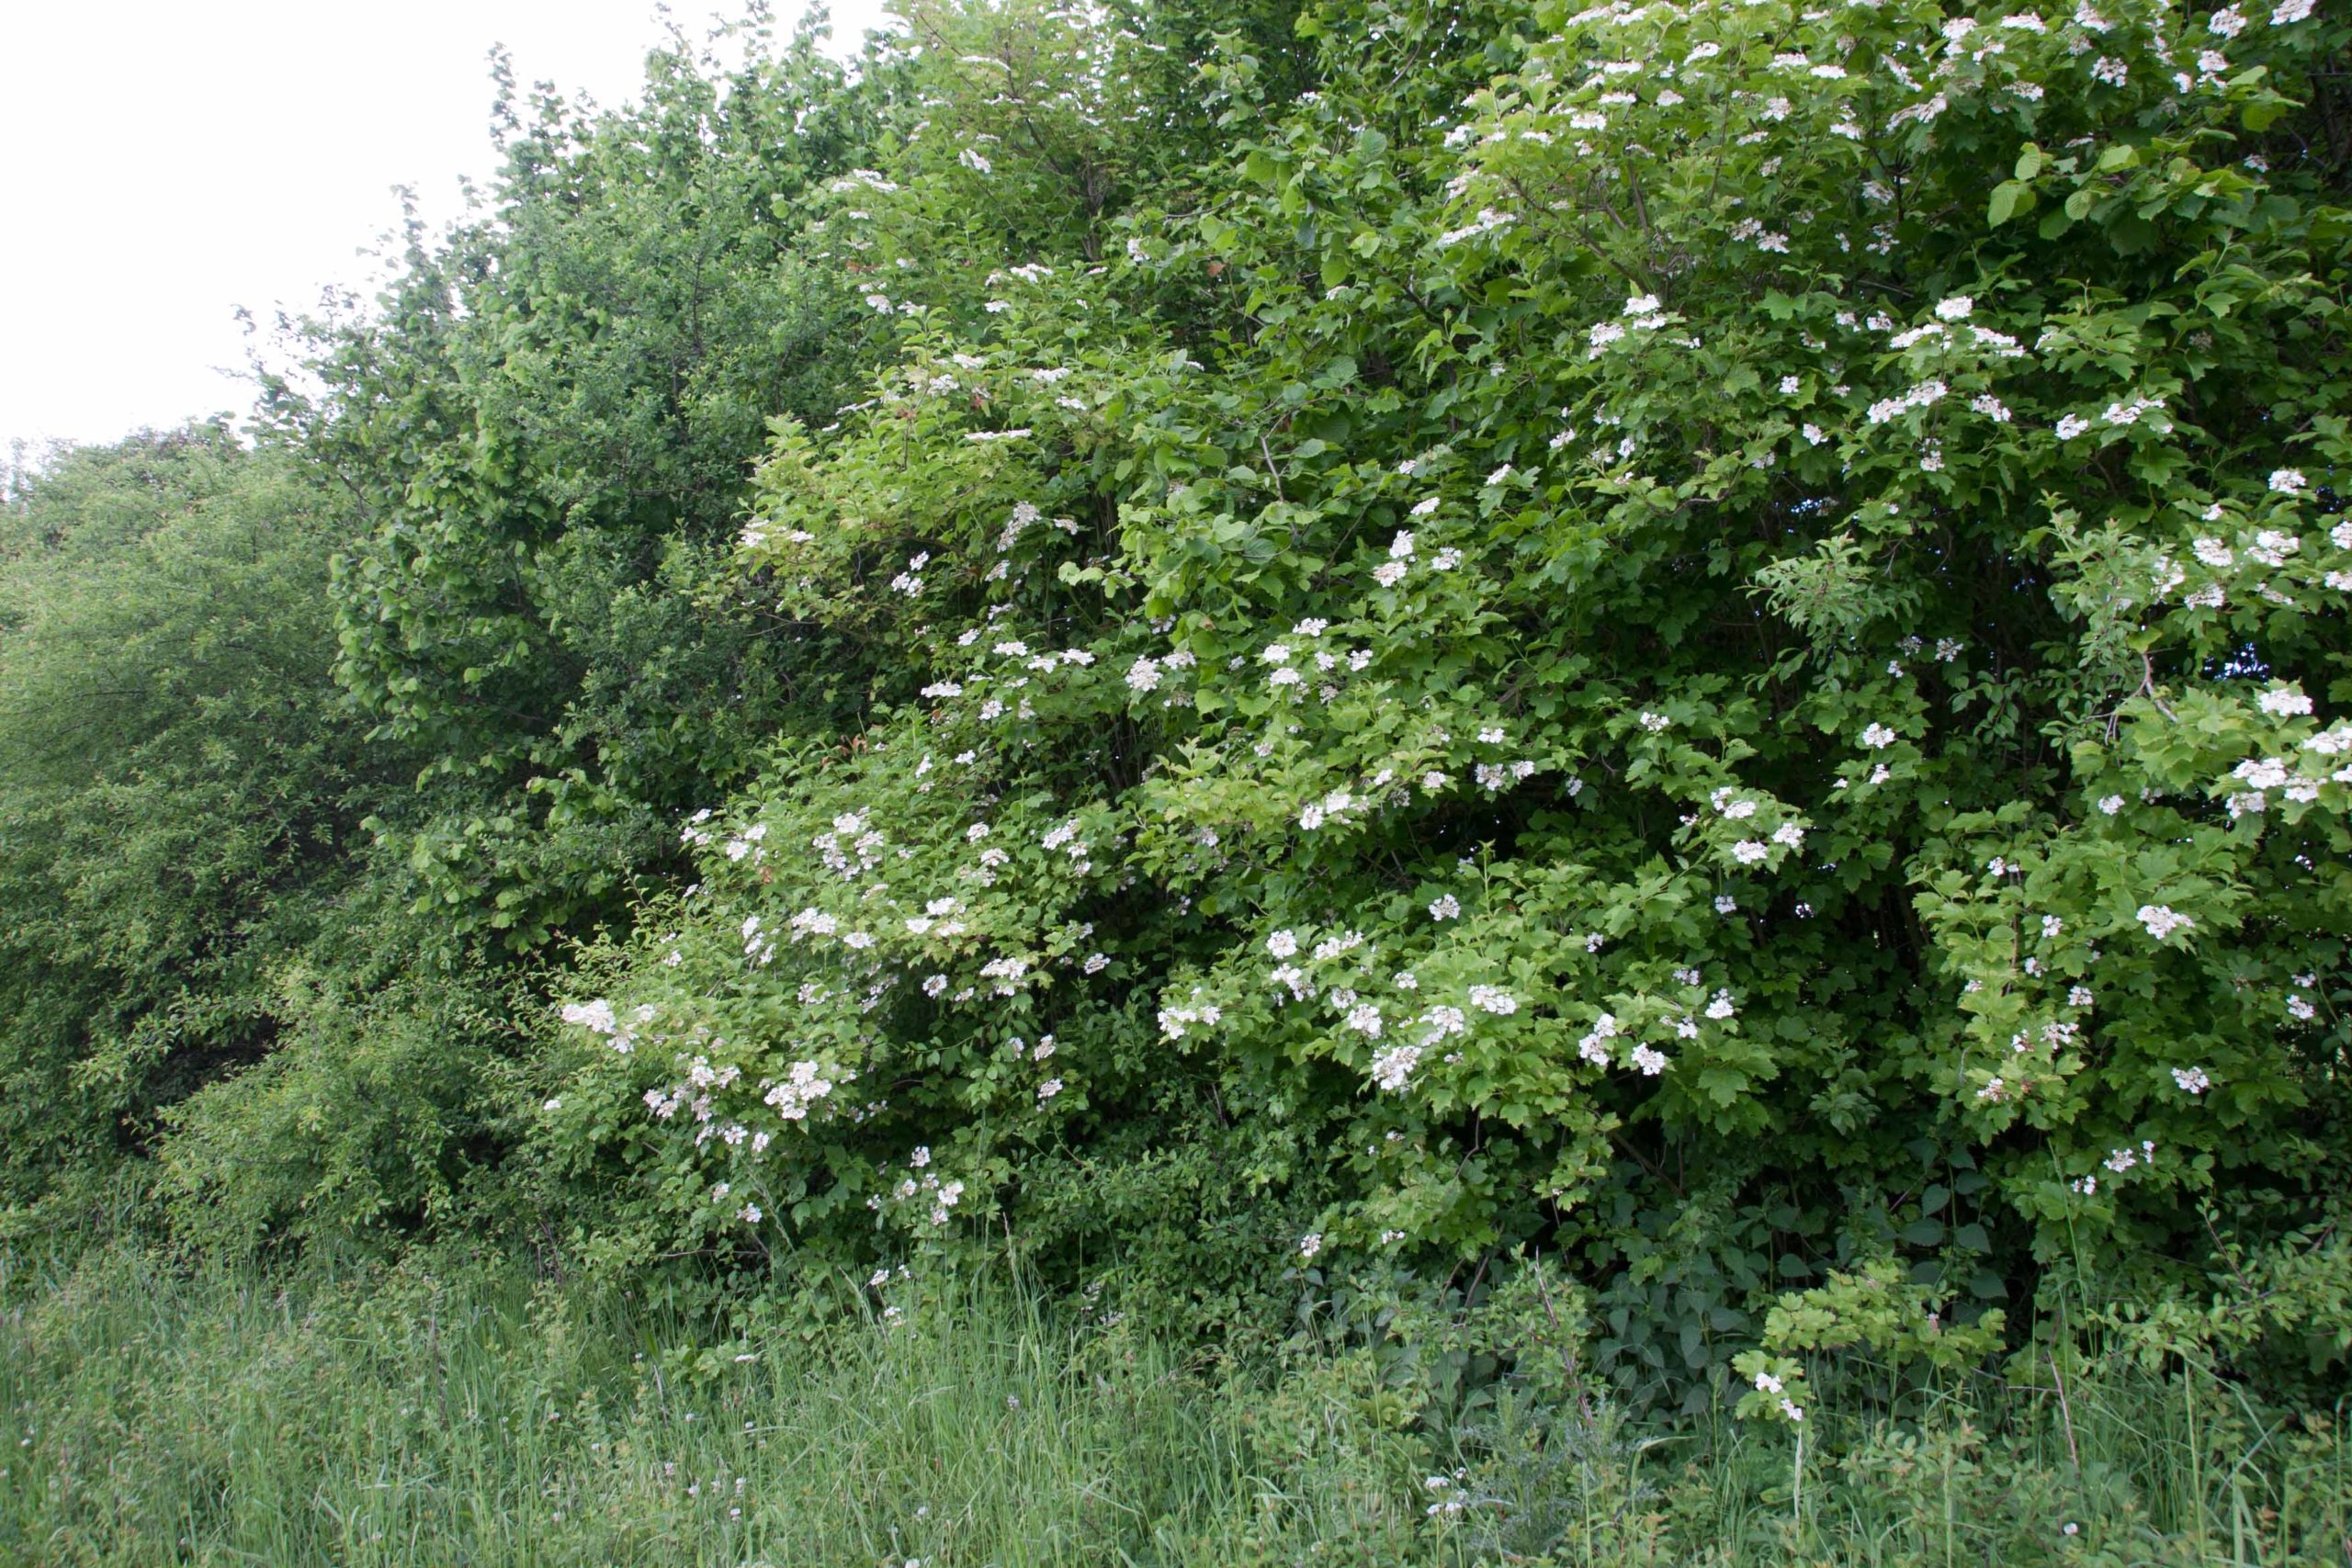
(166, 161)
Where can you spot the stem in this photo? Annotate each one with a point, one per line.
(1796, 1495)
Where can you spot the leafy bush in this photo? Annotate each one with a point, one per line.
(1744, 620)
(176, 792)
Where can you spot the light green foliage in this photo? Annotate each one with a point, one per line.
(545, 425)
(176, 790)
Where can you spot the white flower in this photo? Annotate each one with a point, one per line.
(2227, 22)
(2072, 426)
(2289, 12)
(2162, 921)
(1445, 908)
(1651, 1061)
(1767, 1384)
(1143, 675)
(1655, 722)
(1721, 1007)
(2192, 1081)
(1310, 1243)
(1878, 738)
(2285, 702)
(596, 1017)
(1750, 851)
(2286, 482)
(1494, 999)
(1789, 834)
(1401, 546)
(1641, 305)
(1392, 1068)
(1726, 904)
(1047, 1089)
(1955, 308)
(1442, 1021)
(972, 159)
(1282, 944)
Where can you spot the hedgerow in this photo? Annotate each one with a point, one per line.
(1700, 634)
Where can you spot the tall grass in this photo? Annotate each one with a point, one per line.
(384, 1414)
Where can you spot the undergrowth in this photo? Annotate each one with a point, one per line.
(453, 1410)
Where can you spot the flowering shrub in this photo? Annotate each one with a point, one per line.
(1752, 605)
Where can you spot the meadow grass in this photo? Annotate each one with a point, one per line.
(467, 1412)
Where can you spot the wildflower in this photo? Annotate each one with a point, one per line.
(2162, 921)
(1878, 738)
(1393, 1067)
(596, 1017)
(1310, 1243)
(1445, 908)
(2192, 1081)
(1494, 999)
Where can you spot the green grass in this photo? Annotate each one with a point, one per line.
(397, 1415)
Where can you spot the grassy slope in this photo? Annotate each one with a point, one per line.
(401, 1415)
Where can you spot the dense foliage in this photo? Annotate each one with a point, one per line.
(1241, 648)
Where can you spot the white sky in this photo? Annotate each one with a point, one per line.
(162, 161)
